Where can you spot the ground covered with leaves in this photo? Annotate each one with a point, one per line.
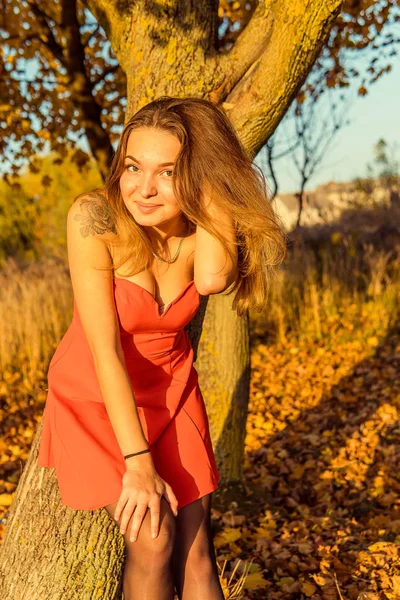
(320, 512)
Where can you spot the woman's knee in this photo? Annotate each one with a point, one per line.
(146, 550)
(199, 557)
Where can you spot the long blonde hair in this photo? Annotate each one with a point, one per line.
(211, 158)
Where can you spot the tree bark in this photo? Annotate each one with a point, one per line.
(170, 49)
(52, 552)
(224, 376)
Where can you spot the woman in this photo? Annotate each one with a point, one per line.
(183, 213)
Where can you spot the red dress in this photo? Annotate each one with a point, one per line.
(78, 438)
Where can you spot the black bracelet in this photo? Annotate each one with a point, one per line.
(136, 453)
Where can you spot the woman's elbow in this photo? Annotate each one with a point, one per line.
(105, 356)
(215, 285)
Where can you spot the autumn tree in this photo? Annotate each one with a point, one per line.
(61, 82)
(166, 48)
(63, 87)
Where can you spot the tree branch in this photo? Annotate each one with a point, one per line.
(249, 47)
(114, 18)
(81, 87)
(43, 21)
(260, 99)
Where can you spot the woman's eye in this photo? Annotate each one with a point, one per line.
(134, 169)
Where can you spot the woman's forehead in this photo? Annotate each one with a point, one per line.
(152, 145)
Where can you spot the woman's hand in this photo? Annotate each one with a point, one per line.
(142, 489)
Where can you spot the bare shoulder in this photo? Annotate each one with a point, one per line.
(92, 215)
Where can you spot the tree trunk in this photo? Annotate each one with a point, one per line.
(299, 196)
(52, 552)
(223, 364)
(170, 48)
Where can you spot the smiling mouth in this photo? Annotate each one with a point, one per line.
(147, 205)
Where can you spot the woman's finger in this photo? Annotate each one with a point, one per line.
(123, 499)
(126, 515)
(170, 496)
(138, 517)
(155, 516)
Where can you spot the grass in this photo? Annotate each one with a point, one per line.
(35, 310)
(315, 293)
(318, 291)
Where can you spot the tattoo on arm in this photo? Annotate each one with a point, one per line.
(95, 216)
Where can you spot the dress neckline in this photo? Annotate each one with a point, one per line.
(146, 292)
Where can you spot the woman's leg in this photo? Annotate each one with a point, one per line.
(148, 573)
(195, 567)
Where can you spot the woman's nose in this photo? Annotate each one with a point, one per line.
(147, 186)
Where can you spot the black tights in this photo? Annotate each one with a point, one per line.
(181, 557)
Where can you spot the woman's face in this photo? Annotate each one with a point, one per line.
(146, 182)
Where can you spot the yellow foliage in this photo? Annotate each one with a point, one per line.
(254, 581)
(6, 499)
(227, 536)
(308, 588)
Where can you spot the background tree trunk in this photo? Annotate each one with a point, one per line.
(171, 49)
(82, 90)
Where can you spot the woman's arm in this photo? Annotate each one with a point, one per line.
(142, 487)
(212, 263)
(93, 292)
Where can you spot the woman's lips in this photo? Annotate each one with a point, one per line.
(147, 208)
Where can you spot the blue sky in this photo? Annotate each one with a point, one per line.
(372, 117)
